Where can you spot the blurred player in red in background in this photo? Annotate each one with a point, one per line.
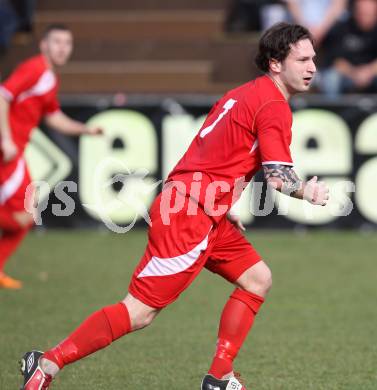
(26, 97)
(248, 128)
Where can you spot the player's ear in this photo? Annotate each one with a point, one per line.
(275, 66)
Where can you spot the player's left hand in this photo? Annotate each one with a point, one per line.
(236, 221)
(94, 130)
(316, 192)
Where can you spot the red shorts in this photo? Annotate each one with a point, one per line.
(14, 179)
(177, 252)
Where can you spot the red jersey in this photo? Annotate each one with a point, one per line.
(248, 127)
(31, 91)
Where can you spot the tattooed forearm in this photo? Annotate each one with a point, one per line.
(291, 183)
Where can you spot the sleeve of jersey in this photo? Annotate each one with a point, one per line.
(52, 106)
(273, 128)
(21, 80)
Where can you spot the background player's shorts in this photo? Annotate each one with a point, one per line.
(177, 252)
(14, 179)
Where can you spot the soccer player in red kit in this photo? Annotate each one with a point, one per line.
(26, 97)
(248, 128)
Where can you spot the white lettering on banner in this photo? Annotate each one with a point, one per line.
(129, 143)
(366, 179)
(177, 127)
(321, 145)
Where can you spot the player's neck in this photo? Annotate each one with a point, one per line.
(48, 62)
(280, 86)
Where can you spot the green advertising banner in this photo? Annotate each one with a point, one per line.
(112, 179)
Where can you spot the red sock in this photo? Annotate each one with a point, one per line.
(9, 241)
(236, 321)
(96, 332)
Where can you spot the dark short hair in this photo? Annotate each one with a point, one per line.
(276, 43)
(54, 27)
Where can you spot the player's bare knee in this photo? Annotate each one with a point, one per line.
(146, 320)
(257, 279)
(260, 286)
(141, 320)
(141, 315)
(265, 280)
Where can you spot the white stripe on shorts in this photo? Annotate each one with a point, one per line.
(13, 183)
(158, 266)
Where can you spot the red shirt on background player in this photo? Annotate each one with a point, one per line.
(26, 97)
(248, 128)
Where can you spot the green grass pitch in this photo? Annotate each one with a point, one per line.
(317, 330)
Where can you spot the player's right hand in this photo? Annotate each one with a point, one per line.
(9, 149)
(316, 192)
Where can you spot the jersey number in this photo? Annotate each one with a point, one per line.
(227, 106)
